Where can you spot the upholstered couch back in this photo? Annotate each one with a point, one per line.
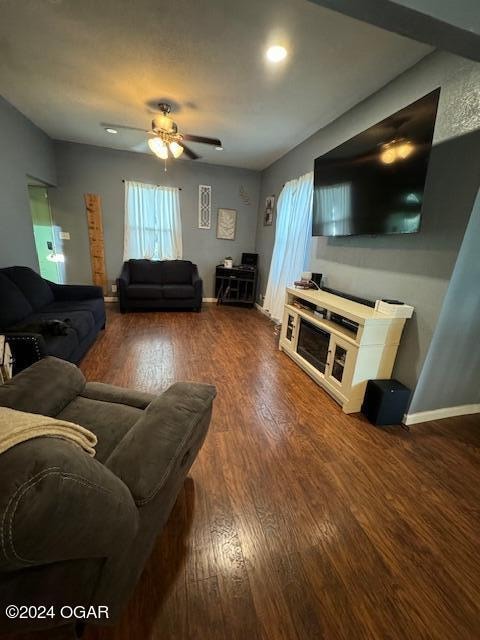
(161, 271)
(33, 286)
(22, 291)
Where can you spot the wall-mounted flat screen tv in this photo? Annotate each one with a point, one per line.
(374, 182)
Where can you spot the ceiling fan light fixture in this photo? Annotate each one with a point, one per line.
(166, 140)
(276, 53)
(159, 148)
(164, 123)
(175, 149)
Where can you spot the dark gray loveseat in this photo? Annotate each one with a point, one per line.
(159, 284)
(27, 299)
(77, 530)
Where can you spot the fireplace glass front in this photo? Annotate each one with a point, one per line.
(313, 345)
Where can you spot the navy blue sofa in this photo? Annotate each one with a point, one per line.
(27, 299)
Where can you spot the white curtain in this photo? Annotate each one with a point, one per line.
(292, 242)
(153, 228)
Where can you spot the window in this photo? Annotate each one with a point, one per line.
(153, 227)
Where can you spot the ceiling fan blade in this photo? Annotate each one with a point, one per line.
(191, 154)
(122, 126)
(142, 147)
(213, 141)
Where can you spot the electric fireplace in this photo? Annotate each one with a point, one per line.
(313, 345)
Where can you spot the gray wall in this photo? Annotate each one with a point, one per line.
(83, 168)
(446, 25)
(414, 268)
(24, 150)
(451, 374)
(461, 13)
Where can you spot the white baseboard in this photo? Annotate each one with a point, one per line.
(439, 414)
(115, 299)
(262, 310)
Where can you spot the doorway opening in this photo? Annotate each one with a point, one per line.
(46, 234)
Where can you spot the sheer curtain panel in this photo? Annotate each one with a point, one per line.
(153, 228)
(292, 242)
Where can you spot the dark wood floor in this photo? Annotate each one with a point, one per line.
(297, 522)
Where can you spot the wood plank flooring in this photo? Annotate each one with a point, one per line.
(297, 522)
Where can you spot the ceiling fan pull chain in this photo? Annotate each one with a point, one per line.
(165, 166)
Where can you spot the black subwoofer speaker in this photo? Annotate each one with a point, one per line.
(385, 401)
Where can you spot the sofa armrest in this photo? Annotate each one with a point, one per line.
(197, 285)
(117, 395)
(74, 292)
(122, 283)
(164, 441)
(45, 388)
(57, 503)
(26, 348)
(125, 273)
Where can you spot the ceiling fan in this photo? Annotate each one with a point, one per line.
(166, 140)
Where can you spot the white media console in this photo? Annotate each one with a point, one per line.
(341, 344)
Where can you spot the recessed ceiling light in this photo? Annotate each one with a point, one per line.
(219, 148)
(276, 53)
(110, 130)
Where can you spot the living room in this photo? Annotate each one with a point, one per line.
(293, 508)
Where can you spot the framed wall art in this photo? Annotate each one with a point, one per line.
(226, 224)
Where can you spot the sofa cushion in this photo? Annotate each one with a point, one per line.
(64, 308)
(109, 421)
(62, 346)
(144, 291)
(145, 271)
(33, 286)
(81, 321)
(178, 291)
(177, 272)
(14, 307)
(118, 395)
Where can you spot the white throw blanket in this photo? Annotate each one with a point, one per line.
(18, 426)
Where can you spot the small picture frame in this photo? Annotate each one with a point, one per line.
(226, 224)
(269, 208)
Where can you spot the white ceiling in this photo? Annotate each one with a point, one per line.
(70, 65)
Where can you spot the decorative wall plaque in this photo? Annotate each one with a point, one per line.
(245, 198)
(226, 224)
(204, 206)
(269, 208)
